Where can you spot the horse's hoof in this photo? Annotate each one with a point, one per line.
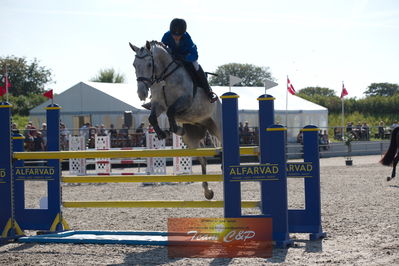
(161, 135)
(209, 194)
(180, 131)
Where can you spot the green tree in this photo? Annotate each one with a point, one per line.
(109, 76)
(22, 104)
(382, 89)
(26, 78)
(313, 91)
(252, 76)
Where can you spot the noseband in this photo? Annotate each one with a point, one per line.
(148, 82)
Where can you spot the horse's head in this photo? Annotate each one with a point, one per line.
(144, 63)
(144, 67)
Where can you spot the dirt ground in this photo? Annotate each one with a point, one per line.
(360, 215)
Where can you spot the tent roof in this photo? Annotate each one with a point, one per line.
(121, 91)
(94, 97)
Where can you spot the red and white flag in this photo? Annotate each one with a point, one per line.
(6, 84)
(344, 92)
(3, 90)
(48, 94)
(290, 88)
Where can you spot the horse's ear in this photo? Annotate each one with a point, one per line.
(148, 45)
(134, 48)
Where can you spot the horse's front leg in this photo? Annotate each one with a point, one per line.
(179, 106)
(153, 119)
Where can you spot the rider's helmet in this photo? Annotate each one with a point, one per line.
(178, 26)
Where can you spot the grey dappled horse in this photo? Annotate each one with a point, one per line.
(173, 92)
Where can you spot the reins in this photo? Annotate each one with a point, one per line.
(154, 79)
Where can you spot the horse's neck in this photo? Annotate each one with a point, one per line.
(179, 77)
(162, 59)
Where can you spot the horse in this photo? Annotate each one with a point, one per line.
(391, 157)
(174, 92)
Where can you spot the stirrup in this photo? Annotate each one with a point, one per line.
(147, 105)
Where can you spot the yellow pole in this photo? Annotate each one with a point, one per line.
(141, 178)
(204, 152)
(154, 204)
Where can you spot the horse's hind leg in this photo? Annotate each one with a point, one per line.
(192, 138)
(395, 163)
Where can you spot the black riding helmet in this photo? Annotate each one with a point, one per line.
(178, 26)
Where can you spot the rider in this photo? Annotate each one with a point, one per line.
(182, 47)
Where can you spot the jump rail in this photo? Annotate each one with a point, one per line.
(201, 152)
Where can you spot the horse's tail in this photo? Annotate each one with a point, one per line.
(393, 146)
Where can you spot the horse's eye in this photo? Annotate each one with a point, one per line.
(149, 65)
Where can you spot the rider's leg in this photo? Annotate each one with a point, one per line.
(203, 82)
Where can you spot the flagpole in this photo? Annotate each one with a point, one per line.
(6, 83)
(343, 109)
(286, 104)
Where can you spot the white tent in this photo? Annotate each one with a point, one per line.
(296, 114)
(106, 102)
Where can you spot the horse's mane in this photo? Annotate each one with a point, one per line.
(157, 43)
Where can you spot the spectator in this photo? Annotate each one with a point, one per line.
(14, 128)
(246, 133)
(64, 133)
(43, 131)
(357, 130)
(299, 137)
(84, 131)
(140, 128)
(381, 133)
(139, 139)
(337, 133)
(38, 144)
(349, 127)
(324, 140)
(101, 131)
(28, 137)
(150, 129)
(112, 132)
(395, 124)
(365, 132)
(92, 137)
(124, 132)
(241, 132)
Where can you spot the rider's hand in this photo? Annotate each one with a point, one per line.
(179, 57)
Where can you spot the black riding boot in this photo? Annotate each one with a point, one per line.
(203, 82)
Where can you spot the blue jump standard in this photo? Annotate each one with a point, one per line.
(101, 237)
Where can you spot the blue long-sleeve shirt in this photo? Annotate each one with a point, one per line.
(186, 48)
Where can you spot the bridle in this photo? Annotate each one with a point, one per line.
(148, 82)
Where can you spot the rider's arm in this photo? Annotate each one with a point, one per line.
(191, 48)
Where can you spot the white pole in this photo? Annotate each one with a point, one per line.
(343, 119)
(286, 104)
(6, 84)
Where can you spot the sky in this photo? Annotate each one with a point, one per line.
(315, 43)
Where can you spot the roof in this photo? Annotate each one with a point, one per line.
(89, 97)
